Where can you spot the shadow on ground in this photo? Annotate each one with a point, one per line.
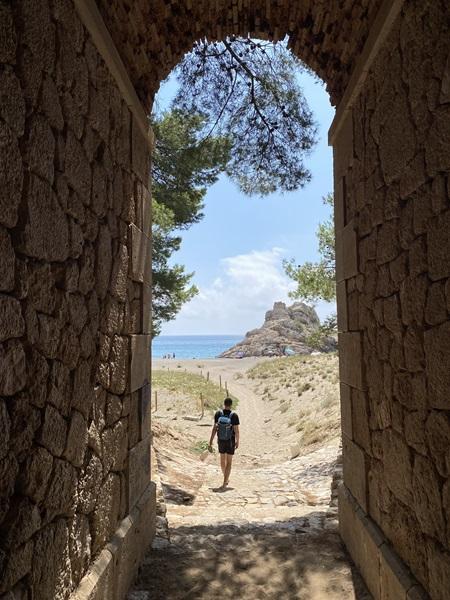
(300, 559)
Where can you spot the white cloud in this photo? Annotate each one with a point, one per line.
(246, 287)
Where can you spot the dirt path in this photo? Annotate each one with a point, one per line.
(271, 535)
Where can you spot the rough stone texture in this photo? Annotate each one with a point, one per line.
(150, 54)
(72, 237)
(395, 193)
(66, 155)
(284, 328)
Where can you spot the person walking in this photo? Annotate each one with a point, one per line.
(226, 426)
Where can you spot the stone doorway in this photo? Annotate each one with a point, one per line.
(77, 79)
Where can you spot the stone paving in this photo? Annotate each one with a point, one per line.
(272, 533)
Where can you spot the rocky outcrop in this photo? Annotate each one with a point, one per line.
(285, 331)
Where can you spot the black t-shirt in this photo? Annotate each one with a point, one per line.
(226, 413)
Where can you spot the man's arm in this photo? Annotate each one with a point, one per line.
(236, 433)
(213, 435)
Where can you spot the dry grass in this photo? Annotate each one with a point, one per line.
(307, 390)
(190, 386)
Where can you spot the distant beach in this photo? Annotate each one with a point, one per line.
(193, 346)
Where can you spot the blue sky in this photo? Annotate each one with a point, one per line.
(238, 248)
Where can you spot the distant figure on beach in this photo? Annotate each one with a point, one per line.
(226, 426)
(173, 354)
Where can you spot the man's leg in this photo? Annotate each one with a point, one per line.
(226, 475)
(223, 463)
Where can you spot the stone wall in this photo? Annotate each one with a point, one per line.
(393, 231)
(152, 37)
(76, 507)
(74, 312)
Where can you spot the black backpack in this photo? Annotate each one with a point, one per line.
(224, 427)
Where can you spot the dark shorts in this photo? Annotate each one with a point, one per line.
(226, 446)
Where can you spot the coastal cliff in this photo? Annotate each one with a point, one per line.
(285, 331)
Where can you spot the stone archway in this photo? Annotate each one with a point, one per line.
(76, 80)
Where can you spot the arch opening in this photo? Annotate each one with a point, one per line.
(76, 287)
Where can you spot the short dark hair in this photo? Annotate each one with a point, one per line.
(228, 402)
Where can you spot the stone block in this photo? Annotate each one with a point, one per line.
(427, 499)
(118, 364)
(349, 251)
(83, 389)
(143, 208)
(17, 566)
(77, 439)
(134, 427)
(339, 203)
(350, 359)
(11, 176)
(140, 366)
(413, 348)
(417, 593)
(140, 153)
(103, 261)
(342, 307)
(119, 274)
(146, 308)
(437, 430)
(398, 466)
(50, 575)
(346, 410)
(113, 409)
(362, 539)
(12, 324)
(46, 232)
(115, 446)
(20, 524)
(395, 580)
(54, 431)
(343, 147)
(8, 38)
(77, 168)
(13, 374)
(106, 514)
(437, 354)
(5, 428)
(438, 238)
(435, 309)
(355, 470)
(61, 494)
(7, 264)
(35, 474)
(138, 471)
(145, 411)
(414, 427)
(439, 571)
(89, 483)
(79, 546)
(40, 148)
(132, 539)
(98, 583)
(398, 125)
(140, 256)
(360, 419)
(387, 242)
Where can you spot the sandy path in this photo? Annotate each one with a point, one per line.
(257, 440)
(271, 535)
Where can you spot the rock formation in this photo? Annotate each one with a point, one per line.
(286, 330)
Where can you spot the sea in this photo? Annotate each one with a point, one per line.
(193, 346)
